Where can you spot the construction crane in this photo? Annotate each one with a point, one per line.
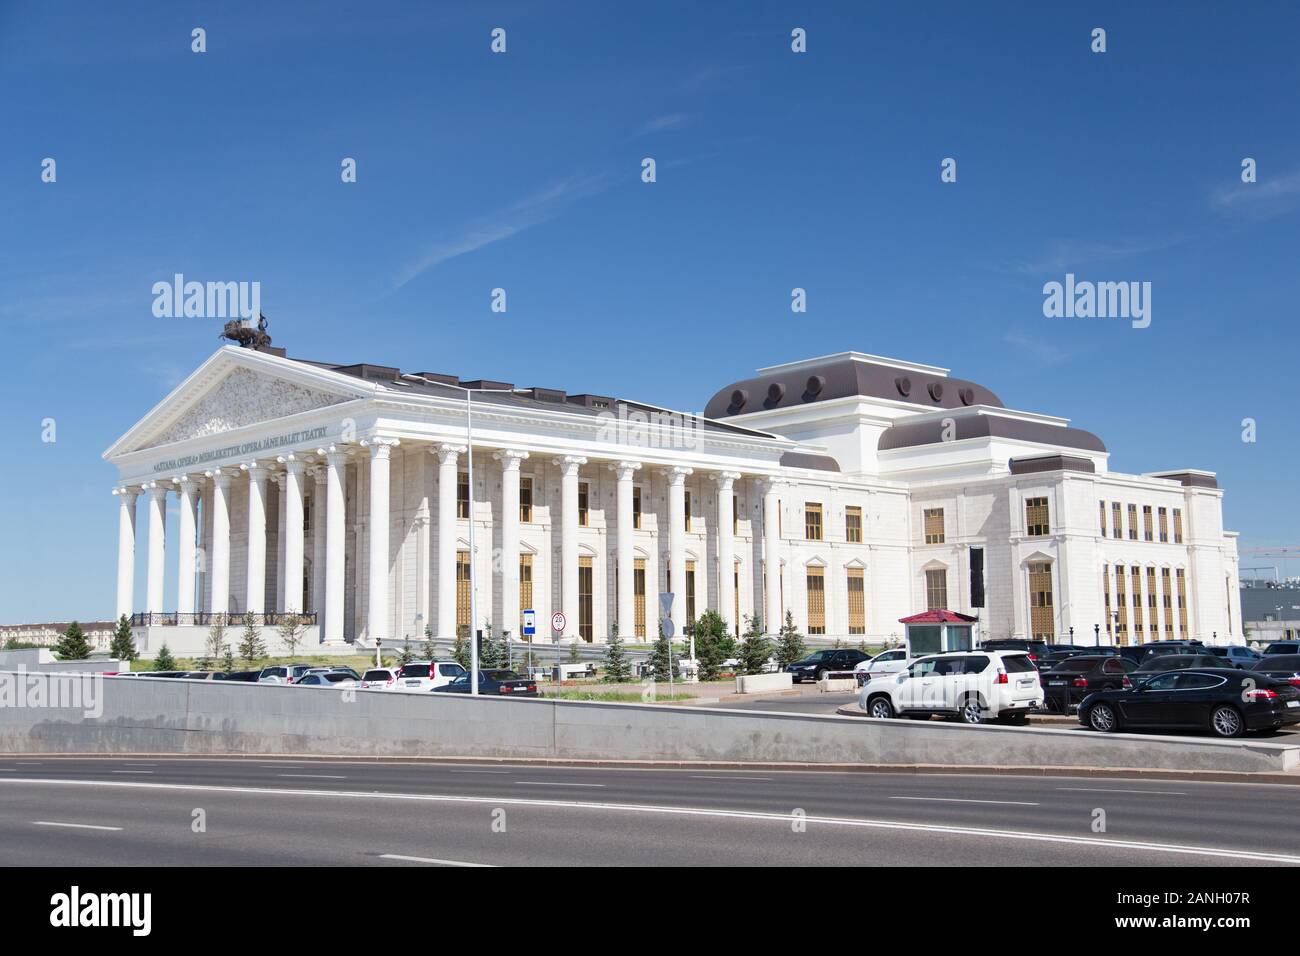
(1280, 553)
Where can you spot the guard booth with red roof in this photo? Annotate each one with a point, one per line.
(934, 632)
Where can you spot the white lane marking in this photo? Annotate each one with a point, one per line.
(724, 776)
(1168, 793)
(428, 859)
(130, 771)
(546, 783)
(1176, 848)
(480, 771)
(1000, 803)
(314, 776)
(78, 826)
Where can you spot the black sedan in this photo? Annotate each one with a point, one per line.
(1224, 700)
(493, 683)
(1173, 662)
(1073, 679)
(1283, 667)
(833, 660)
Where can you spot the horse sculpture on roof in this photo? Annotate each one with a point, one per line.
(237, 330)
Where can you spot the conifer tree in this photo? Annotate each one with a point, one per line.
(73, 645)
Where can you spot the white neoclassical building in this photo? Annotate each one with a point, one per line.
(850, 490)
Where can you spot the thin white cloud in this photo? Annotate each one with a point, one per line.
(1066, 255)
(1267, 197)
(661, 123)
(540, 207)
(1043, 352)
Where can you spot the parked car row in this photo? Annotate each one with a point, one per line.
(970, 686)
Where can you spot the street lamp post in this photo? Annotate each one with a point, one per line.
(1096, 635)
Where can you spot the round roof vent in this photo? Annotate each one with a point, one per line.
(904, 385)
(936, 391)
(775, 392)
(966, 394)
(738, 399)
(815, 385)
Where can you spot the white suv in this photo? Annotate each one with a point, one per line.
(886, 662)
(967, 685)
(426, 675)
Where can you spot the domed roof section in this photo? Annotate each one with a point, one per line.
(844, 375)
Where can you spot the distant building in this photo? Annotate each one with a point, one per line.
(1270, 611)
(98, 633)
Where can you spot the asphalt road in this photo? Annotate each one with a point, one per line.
(271, 811)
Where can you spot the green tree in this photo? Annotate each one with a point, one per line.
(661, 663)
(710, 638)
(755, 648)
(164, 661)
(460, 651)
(73, 645)
(406, 655)
(789, 643)
(228, 660)
(291, 630)
(215, 647)
(430, 652)
(123, 646)
(618, 669)
(251, 646)
(575, 651)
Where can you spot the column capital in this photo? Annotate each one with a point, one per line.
(726, 479)
(335, 454)
(320, 473)
(677, 474)
(509, 458)
(292, 463)
(185, 482)
(256, 470)
(771, 484)
(447, 452)
(220, 476)
(625, 469)
(569, 463)
(127, 491)
(380, 446)
(157, 489)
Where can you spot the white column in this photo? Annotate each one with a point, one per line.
(335, 545)
(185, 565)
(380, 452)
(569, 466)
(422, 522)
(281, 486)
(447, 473)
(319, 493)
(510, 539)
(727, 547)
(125, 550)
(293, 543)
(157, 547)
(771, 558)
(677, 543)
(626, 470)
(220, 550)
(255, 563)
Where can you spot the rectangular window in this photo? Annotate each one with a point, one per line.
(857, 602)
(1147, 533)
(1116, 520)
(933, 525)
(462, 590)
(816, 601)
(525, 589)
(525, 499)
(812, 521)
(1178, 526)
(636, 507)
(690, 592)
(1167, 586)
(584, 496)
(687, 511)
(1041, 622)
(462, 495)
(1164, 525)
(1121, 606)
(735, 514)
(1036, 521)
(1105, 587)
(936, 589)
(1132, 522)
(585, 629)
(1153, 618)
(1136, 598)
(1101, 508)
(853, 525)
(638, 594)
(1182, 602)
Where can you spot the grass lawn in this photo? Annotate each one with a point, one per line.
(358, 662)
(617, 696)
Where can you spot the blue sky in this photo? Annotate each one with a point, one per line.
(522, 171)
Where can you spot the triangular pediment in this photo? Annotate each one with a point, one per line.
(234, 389)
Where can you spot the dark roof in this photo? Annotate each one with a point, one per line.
(1030, 466)
(938, 617)
(841, 376)
(798, 459)
(912, 434)
(1189, 478)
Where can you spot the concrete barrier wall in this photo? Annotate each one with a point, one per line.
(205, 717)
(42, 659)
